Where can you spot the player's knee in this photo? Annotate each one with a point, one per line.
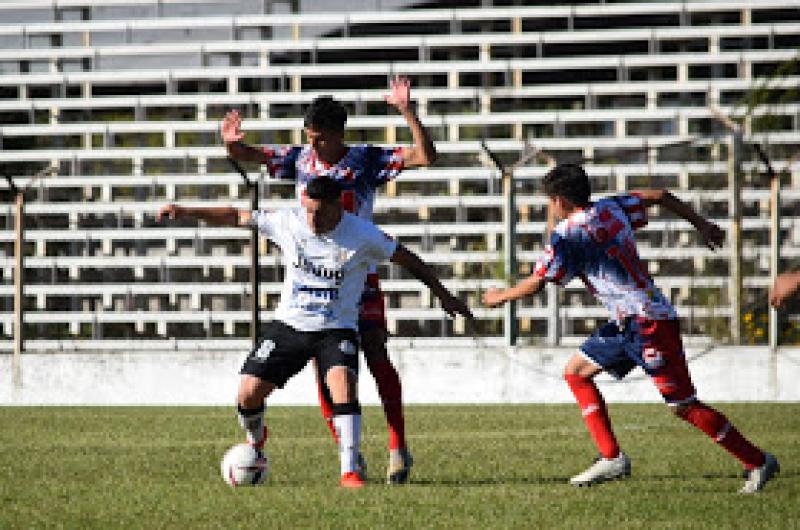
(341, 382)
(252, 391)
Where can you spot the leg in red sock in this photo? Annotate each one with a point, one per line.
(389, 387)
(325, 403)
(595, 413)
(719, 429)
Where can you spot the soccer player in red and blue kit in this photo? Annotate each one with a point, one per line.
(361, 170)
(595, 242)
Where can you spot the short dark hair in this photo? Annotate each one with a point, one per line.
(569, 181)
(325, 114)
(324, 189)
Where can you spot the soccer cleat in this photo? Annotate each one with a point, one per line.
(602, 470)
(400, 462)
(757, 477)
(260, 445)
(351, 479)
(361, 466)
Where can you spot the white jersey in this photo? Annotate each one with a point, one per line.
(325, 273)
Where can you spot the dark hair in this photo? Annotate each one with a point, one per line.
(325, 114)
(324, 189)
(569, 181)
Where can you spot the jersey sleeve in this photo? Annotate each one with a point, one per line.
(633, 206)
(281, 161)
(269, 223)
(384, 164)
(381, 246)
(555, 264)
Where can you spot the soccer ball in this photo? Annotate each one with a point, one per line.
(243, 465)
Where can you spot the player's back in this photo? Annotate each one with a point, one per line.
(599, 247)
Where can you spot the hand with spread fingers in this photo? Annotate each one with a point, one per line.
(400, 95)
(232, 127)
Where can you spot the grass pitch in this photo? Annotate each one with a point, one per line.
(476, 467)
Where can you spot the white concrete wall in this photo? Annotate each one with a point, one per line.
(440, 375)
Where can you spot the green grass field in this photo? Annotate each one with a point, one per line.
(476, 467)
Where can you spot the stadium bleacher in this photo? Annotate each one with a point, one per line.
(125, 99)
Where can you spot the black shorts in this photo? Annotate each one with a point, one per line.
(284, 351)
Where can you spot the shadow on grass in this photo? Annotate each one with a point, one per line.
(545, 481)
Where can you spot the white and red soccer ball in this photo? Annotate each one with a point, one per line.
(243, 465)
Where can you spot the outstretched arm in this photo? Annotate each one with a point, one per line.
(232, 136)
(712, 234)
(786, 285)
(527, 287)
(423, 272)
(220, 216)
(423, 152)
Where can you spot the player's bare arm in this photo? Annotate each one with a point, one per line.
(219, 216)
(423, 152)
(786, 285)
(527, 287)
(423, 272)
(232, 136)
(712, 234)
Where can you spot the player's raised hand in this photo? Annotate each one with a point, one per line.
(170, 211)
(400, 94)
(713, 236)
(453, 306)
(232, 127)
(492, 297)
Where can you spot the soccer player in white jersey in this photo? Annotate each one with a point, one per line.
(362, 169)
(595, 243)
(327, 253)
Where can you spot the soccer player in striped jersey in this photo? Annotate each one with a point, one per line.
(595, 243)
(361, 169)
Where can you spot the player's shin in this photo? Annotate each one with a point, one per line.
(347, 421)
(722, 431)
(595, 414)
(252, 421)
(326, 407)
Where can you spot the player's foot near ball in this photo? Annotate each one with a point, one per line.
(604, 469)
(351, 479)
(757, 478)
(259, 444)
(400, 462)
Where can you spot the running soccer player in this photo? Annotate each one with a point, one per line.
(362, 169)
(595, 242)
(328, 254)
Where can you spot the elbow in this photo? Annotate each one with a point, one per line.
(428, 157)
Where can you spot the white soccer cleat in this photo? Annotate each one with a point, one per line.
(602, 470)
(400, 462)
(756, 478)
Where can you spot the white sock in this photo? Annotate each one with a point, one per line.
(349, 428)
(252, 421)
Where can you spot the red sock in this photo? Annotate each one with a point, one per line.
(326, 409)
(717, 426)
(391, 394)
(595, 414)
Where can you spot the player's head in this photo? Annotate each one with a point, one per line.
(567, 186)
(324, 124)
(322, 202)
